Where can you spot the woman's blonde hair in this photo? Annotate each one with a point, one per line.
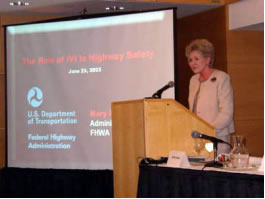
(203, 46)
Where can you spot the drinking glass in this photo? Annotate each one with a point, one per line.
(209, 149)
(199, 145)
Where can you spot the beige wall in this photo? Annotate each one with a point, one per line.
(238, 17)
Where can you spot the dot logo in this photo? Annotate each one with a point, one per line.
(35, 97)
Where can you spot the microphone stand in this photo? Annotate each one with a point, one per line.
(214, 163)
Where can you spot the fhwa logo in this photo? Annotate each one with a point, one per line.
(35, 97)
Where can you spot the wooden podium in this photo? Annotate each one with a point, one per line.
(149, 128)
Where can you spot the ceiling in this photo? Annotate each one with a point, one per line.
(77, 7)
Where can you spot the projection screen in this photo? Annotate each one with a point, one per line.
(62, 77)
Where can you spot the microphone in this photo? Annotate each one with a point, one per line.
(196, 134)
(158, 93)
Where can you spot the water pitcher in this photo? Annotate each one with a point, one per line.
(239, 154)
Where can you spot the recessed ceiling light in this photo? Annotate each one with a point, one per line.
(114, 8)
(18, 3)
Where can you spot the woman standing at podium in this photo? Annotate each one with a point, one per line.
(210, 91)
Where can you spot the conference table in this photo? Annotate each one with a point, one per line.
(161, 181)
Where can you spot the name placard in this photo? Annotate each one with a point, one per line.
(178, 159)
